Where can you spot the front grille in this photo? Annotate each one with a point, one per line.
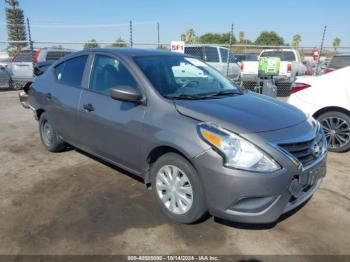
(305, 151)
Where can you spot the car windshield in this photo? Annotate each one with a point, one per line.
(185, 77)
(283, 55)
(340, 61)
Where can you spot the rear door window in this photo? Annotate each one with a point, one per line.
(211, 54)
(24, 56)
(71, 71)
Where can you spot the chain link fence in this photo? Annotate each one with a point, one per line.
(232, 64)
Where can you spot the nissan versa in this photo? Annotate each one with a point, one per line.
(202, 144)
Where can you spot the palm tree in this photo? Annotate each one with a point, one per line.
(190, 36)
(241, 37)
(296, 40)
(336, 43)
(183, 37)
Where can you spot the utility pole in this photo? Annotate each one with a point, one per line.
(321, 49)
(229, 50)
(158, 35)
(130, 38)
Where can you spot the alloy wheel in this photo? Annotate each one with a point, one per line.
(337, 131)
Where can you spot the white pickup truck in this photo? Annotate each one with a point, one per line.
(291, 66)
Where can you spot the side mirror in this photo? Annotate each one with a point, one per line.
(127, 93)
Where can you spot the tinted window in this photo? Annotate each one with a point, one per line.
(340, 61)
(247, 57)
(71, 72)
(283, 55)
(194, 51)
(108, 73)
(211, 54)
(24, 56)
(223, 53)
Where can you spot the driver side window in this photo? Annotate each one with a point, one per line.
(108, 73)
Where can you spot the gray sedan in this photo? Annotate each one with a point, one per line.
(201, 143)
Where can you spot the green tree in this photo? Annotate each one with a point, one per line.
(215, 38)
(296, 40)
(120, 43)
(91, 44)
(336, 43)
(16, 28)
(269, 38)
(183, 37)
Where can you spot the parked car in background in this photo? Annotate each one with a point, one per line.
(338, 61)
(291, 66)
(327, 98)
(21, 67)
(5, 77)
(189, 132)
(5, 62)
(216, 56)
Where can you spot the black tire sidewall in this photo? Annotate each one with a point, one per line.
(57, 144)
(343, 116)
(198, 208)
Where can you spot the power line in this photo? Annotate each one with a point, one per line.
(82, 26)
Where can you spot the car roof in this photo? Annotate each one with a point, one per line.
(132, 52)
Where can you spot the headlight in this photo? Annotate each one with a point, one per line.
(237, 152)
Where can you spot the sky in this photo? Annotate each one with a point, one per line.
(80, 20)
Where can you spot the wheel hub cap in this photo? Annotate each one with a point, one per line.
(174, 189)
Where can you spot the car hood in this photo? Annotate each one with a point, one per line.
(247, 113)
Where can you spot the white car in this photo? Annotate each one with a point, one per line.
(327, 98)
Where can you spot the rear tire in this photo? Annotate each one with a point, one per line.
(178, 189)
(49, 137)
(336, 126)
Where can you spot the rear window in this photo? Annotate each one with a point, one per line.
(194, 51)
(283, 55)
(24, 56)
(55, 55)
(247, 57)
(340, 61)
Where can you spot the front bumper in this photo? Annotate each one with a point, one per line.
(249, 197)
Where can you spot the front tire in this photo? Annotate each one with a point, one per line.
(336, 126)
(178, 189)
(49, 137)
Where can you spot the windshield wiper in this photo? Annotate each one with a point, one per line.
(183, 96)
(220, 93)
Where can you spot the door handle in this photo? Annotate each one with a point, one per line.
(48, 96)
(88, 107)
